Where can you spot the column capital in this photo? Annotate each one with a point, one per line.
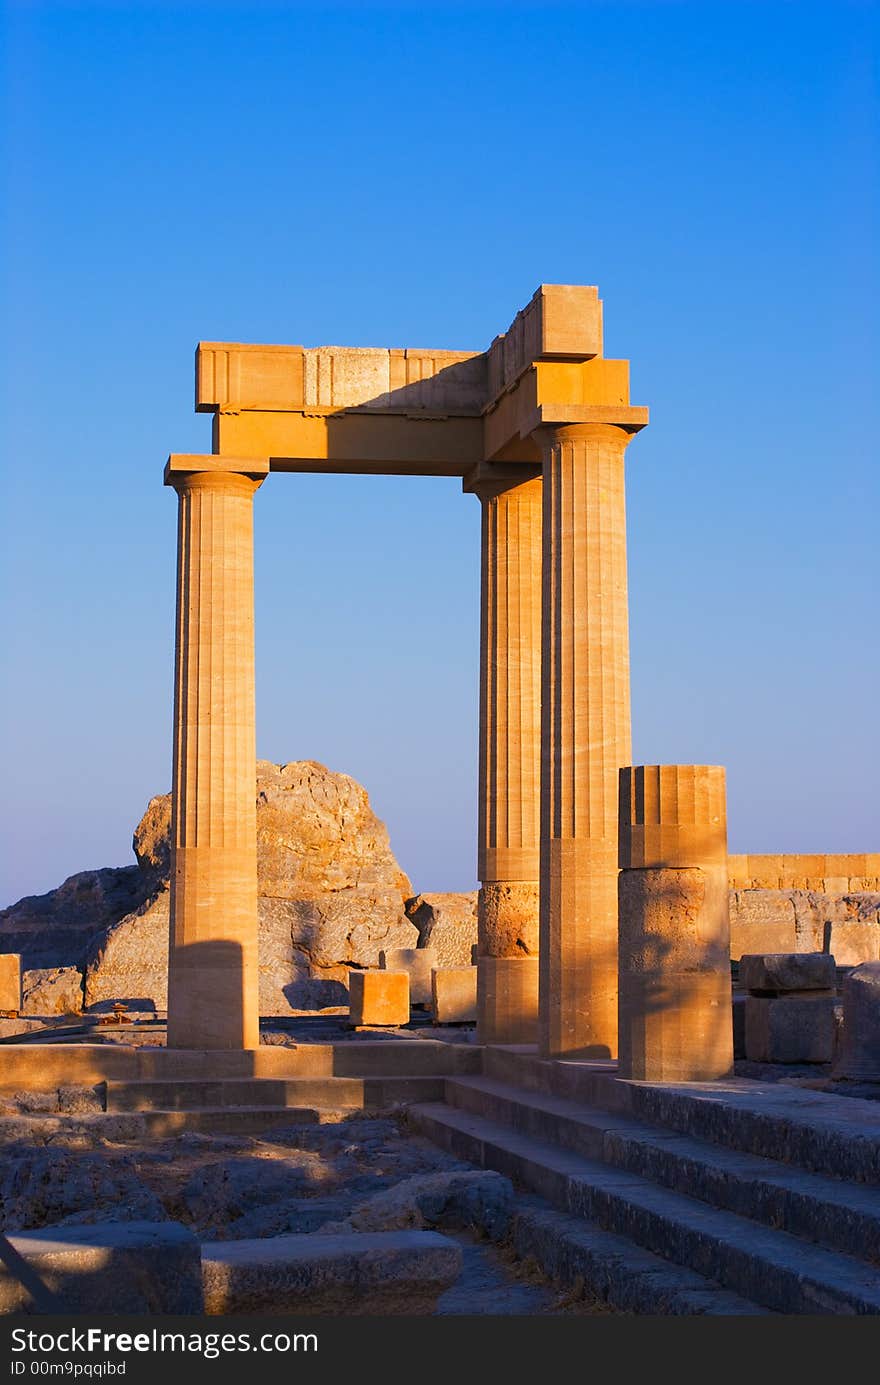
(192, 468)
(546, 434)
(488, 479)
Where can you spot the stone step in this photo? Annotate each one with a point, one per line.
(837, 1136)
(125, 1127)
(43, 1067)
(221, 1120)
(622, 1274)
(378, 1273)
(837, 1215)
(335, 1092)
(768, 1267)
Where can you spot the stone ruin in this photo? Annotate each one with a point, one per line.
(661, 1177)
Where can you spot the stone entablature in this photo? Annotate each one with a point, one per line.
(236, 376)
(850, 873)
(422, 412)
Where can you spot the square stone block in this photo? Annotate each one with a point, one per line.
(738, 871)
(113, 1267)
(835, 884)
(507, 1000)
(790, 1029)
(454, 992)
(418, 963)
(378, 997)
(802, 872)
(676, 1027)
(850, 944)
(870, 872)
(10, 981)
(846, 864)
(765, 872)
(787, 971)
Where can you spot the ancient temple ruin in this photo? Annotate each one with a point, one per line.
(537, 427)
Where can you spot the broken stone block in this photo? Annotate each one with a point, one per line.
(418, 963)
(447, 923)
(10, 982)
(112, 1267)
(462, 1198)
(787, 971)
(379, 1274)
(378, 997)
(860, 1043)
(790, 1028)
(454, 995)
(674, 1001)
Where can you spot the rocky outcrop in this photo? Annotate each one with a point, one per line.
(53, 930)
(52, 991)
(60, 1187)
(331, 896)
(316, 835)
(305, 949)
(129, 962)
(447, 923)
(470, 1199)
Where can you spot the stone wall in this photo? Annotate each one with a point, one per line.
(853, 873)
(846, 925)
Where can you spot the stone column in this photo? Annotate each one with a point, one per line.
(212, 981)
(676, 1014)
(510, 740)
(585, 735)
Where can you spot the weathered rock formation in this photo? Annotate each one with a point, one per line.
(447, 923)
(331, 896)
(54, 929)
(52, 991)
(129, 961)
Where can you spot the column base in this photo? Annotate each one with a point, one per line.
(212, 998)
(579, 949)
(507, 1000)
(676, 1027)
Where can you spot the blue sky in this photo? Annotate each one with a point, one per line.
(395, 175)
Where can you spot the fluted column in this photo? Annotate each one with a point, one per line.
(676, 1020)
(213, 983)
(585, 735)
(510, 741)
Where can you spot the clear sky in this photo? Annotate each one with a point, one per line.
(405, 175)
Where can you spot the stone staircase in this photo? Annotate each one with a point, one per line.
(157, 1092)
(718, 1198)
(250, 1105)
